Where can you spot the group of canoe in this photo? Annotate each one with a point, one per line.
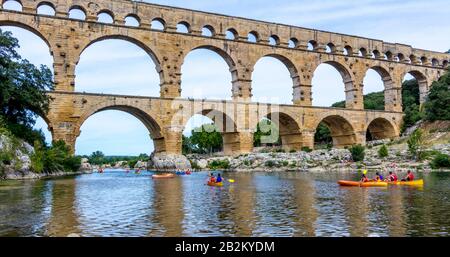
(171, 175)
(213, 181)
(378, 181)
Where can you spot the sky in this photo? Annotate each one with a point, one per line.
(119, 67)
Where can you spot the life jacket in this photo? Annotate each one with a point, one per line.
(365, 180)
(411, 176)
(393, 177)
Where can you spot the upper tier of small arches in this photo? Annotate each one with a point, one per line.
(214, 28)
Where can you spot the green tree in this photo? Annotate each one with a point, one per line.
(206, 139)
(267, 133)
(411, 103)
(323, 134)
(441, 161)
(415, 144)
(97, 158)
(374, 101)
(187, 147)
(54, 158)
(383, 151)
(438, 100)
(23, 89)
(358, 153)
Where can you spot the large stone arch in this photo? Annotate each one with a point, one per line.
(153, 54)
(33, 29)
(381, 128)
(153, 125)
(351, 91)
(226, 125)
(342, 130)
(225, 54)
(422, 80)
(289, 64)
(392, 96)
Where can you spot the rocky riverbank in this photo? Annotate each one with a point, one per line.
(316, 161)
(15, 161)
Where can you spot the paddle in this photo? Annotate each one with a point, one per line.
(231, 180)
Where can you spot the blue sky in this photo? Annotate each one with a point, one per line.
(120, 67)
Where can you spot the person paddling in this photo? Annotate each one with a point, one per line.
(378, 177)
(364, 178)
(409, 176)
(392, 177)
(219, 178)
(212, 179)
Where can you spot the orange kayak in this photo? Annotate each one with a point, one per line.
(211, 184)
(347, 183)
(168, 175)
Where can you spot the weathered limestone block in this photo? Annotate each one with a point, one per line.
(168, 162)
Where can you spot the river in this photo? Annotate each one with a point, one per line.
(257, 204)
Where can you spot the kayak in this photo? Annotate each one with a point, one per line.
(211, 184)
(163, 176)
(418, 182)
(347, 183)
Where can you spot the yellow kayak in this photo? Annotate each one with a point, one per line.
(362, 184)
(418, 182)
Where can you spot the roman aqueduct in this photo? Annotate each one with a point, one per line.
(166, 116)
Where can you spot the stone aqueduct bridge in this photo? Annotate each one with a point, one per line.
(166, 116)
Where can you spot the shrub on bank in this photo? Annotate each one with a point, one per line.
(269, 164)
(383, 152)
(219, 164)
(358, 153)
(441, 161)
(306, 149)
(415, 144)
(54, 158)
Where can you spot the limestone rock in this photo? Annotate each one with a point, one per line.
(168, 162)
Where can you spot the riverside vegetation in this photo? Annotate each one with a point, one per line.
(23, 151)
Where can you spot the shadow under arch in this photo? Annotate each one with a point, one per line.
(152, 125)
(381, 128)
(342, 131)
(288, 130)
(155, 58)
